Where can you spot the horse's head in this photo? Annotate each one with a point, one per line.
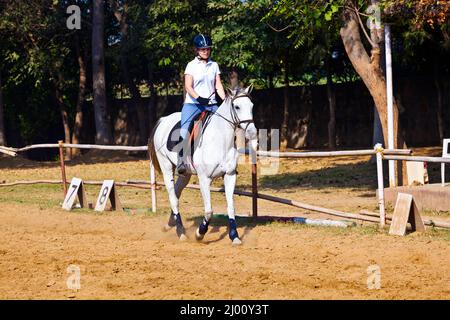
(241, 110)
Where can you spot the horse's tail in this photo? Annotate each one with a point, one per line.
(151, 148)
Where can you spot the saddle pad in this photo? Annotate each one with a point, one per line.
(174, 134)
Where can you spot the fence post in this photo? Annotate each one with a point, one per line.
(63, 167)
(153, 186)
(378, 148)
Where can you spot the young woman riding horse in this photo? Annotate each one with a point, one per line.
(201, 80)
(215, 156)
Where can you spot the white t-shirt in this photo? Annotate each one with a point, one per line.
(204, 75)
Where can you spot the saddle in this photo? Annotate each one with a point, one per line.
(200, 122)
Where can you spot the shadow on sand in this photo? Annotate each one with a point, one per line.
(361, 175)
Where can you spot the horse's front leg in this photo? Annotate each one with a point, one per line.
(230, 183)
(205, 184)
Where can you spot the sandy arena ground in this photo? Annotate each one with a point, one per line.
(125, 255)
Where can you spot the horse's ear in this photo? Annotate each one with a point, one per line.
(249, 89)
(229, 92)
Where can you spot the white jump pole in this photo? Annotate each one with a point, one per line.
(390, 102)
(379, 150)
(153, 186)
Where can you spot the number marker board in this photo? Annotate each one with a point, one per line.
(76, 189)
(108, 191)
(405, 211)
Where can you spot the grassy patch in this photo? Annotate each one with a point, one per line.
(44, 195)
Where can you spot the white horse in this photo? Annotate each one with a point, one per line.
(215, 156)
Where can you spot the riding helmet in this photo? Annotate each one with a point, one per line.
(201, 41)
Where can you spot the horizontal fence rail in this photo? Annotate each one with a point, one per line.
(13, 151)
(421, 159)
(320, 154)
(87, 182)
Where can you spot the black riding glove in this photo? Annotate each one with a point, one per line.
(219, 100)
(203, 101)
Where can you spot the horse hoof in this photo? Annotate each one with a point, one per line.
(198, 236)
(166, 228)
(236, 242)
(183, 237)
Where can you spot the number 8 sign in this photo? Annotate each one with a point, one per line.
(107, 191)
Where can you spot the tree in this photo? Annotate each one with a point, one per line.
(102, 122)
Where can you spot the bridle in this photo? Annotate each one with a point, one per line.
(235, 121)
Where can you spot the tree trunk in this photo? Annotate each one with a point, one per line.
(439, 109)
(377, 128)
(2, 119)
(136, 99)
(284, 126)
(370, 72)
(331, 94)
(377, 135)
(63, 110)
(102, 121)
(78, 125)
(152, 104)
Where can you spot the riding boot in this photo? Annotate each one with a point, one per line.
(181, 166)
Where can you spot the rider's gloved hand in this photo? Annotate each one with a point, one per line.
(202, 101)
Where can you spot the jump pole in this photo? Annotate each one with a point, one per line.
(63, 167)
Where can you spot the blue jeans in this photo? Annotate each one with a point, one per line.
(188, 113)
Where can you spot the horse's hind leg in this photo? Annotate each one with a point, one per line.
(175, 217)
(205, 184)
